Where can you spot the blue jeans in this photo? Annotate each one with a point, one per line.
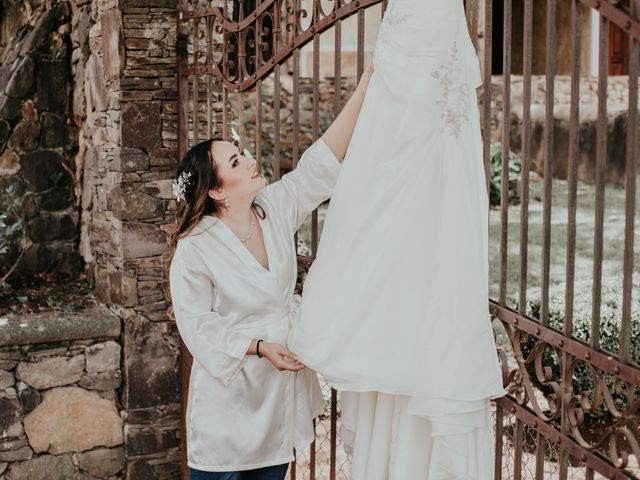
(276, 472)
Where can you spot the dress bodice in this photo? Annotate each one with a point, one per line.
(422, 27)
(425, 39)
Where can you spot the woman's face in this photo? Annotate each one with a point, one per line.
(239, 175)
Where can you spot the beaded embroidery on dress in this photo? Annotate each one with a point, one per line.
(402, 263)
(454, 104)
(393, 18)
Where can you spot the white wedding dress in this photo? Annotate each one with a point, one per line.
(395, 307)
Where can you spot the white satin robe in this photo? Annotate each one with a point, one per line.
(243, 413)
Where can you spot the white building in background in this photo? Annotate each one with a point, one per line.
(349, 40)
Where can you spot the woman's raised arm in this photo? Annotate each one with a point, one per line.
(338, 135)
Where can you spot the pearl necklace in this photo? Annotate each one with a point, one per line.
(250, 234)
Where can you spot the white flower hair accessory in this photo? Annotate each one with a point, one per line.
(179, 187)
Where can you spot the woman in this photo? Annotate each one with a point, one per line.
(232, 277)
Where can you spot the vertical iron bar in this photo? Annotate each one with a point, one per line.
(183, 97)
(548, 156)
(240, 106)
(258, 139)
(601, 159)
(312, 453)
(334, 434)
(225, 74)
(314, 214)
(195, 83)
(294, 466)
(517, 453)
(316, 88)
(208, 78)
(337, 103)
(225, 113)
(572, 183)
(360, 47)
(506, 133)
(499, 441)
(572, 173)
(486, 97)
(225, 71)
(630, 189)
(276, 122)
(540, 444)
(316, 131)
(183, 133)
(295, 153)
(527, 59)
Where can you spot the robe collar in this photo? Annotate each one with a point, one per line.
(234, 243)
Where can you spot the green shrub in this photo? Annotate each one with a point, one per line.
(611, 313)
(13, 232)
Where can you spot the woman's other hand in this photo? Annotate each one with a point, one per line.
(280, 357)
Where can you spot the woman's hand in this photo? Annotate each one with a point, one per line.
(280, 357)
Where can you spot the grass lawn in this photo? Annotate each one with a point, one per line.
(613, 252)
(613, 258)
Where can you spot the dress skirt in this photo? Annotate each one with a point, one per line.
(396, 302)
(386, 442)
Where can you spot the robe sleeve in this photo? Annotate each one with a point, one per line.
(220, 350)
(300, 191)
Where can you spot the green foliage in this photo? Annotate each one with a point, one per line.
(515, 167)
(13, 232)
(610, 326)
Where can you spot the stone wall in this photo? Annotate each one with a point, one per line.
(617, 106)
(119, 144)
(60, 416)
(38, 147)
(13, 16)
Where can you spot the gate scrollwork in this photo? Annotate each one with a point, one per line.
(534, 382)
(248, 49)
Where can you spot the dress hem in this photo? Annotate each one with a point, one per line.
(392, 391)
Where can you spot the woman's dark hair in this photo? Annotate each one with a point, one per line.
(199, 164)
(203, 176)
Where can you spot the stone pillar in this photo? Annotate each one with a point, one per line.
(130, 160)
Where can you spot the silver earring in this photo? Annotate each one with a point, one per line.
(226, 202)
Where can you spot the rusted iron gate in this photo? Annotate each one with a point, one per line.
(234, 58)
(615, 374)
